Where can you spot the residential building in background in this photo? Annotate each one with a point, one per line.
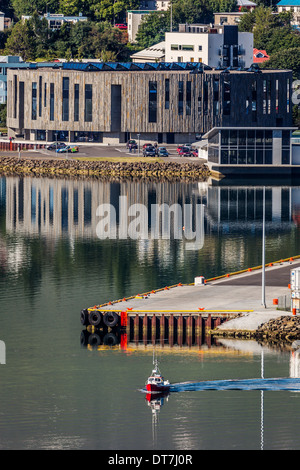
(291, 5)
(5, 22)
(242, 4)
(231, 18)
(56, 20)
(7, 62)
(135, 17)
(217, 46)
(260, 56)
(155, 53)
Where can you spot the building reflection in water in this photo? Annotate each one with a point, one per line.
(54, 207)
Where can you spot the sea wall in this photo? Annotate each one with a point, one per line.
(156, 171)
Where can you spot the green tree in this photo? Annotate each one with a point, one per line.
(270, 32)
(3, 115)
(28, 7)
(296, 116)
(110, 10)
(288, 59)
(21, 41)
(152, 29)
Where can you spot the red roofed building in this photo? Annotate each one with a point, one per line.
(259, 56)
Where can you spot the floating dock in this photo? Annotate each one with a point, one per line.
(231, 301)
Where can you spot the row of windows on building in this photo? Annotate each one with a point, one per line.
(37, 101)
(249, 147)
(184, 100)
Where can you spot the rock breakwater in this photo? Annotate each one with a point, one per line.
(284, 328)
(104, 170)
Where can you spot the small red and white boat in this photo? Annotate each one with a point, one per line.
(156, 383)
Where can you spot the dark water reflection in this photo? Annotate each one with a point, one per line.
(55, 393)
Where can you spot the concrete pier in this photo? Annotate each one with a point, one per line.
(217, 300)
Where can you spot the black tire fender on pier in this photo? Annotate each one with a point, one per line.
(94, 340)
(84, 317)
(111, 319)
(110, 339)
(95, 317)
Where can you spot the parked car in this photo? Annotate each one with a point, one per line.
(132, 143)
(185, 152)
(179, 148)
(68, 149)
(149, 151)
(147, 145)
(194, 153)
(121, 26)
(162, 152)
(56, 145)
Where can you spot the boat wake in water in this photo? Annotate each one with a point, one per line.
(291, 384)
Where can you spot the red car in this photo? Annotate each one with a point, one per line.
(185, 152)
(147, 145)
(121, 26)
(179, 148)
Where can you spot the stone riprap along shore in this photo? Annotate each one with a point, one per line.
(284, 328)
(169, 171)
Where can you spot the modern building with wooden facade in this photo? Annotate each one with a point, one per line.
(163, 102)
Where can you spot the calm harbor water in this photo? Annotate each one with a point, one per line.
(58, 393)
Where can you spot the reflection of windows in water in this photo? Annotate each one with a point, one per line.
(246, 204)
(64, 209)
(87, 209)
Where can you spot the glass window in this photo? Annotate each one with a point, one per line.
(65, 99)
(264, 96)
(34, 101)
(15, 95)
(199, 104)
(233, 137)
(250, 157)
(205, 97)
(253, 99)
(187, 48)
(286, 138)
(224, 137)
(40, 95)
(152, 101)
(180, 98)
(188, 98)
(250, 138)
(233, 157)
(167, 93)
(285, 157)
(242, 157)
(259, 138)
(268, 138)
(268, 157)
(76, 102)
(51, 101)
(224, 157)
(259, 156)
(216, 96)
(88, 109)
(174, 47)
(45, 94)
(226, 98)
(242, 137)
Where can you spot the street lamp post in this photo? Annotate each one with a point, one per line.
(264, 249)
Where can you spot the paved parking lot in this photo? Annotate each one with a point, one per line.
(104, 151)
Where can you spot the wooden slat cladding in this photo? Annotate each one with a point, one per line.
(134, 94)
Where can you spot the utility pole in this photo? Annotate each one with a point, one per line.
(264, 249)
